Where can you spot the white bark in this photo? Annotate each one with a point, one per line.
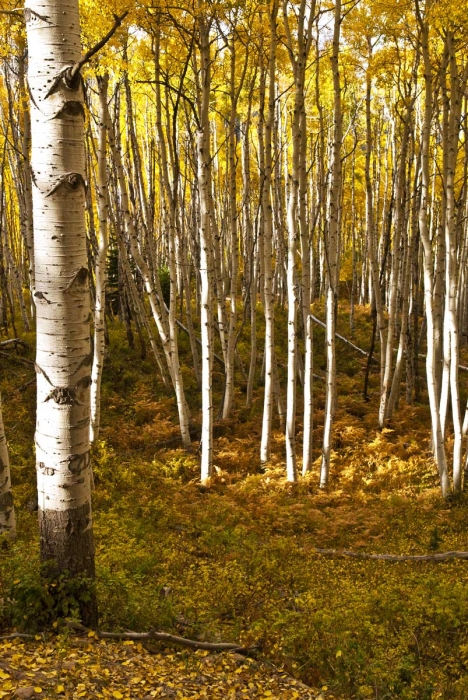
(7, 510)
(431, 367)
(332, 255)
(100, 269)
(62, 295)
(155, 299)
(206, 253)
(265, 133)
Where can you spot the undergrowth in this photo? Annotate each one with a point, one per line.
(237, 560)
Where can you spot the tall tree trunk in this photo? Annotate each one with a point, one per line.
(100, 268)
(332, 255)
(63, 357)
(7, 510)
(206, 253)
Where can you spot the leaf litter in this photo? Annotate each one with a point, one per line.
(125, 670)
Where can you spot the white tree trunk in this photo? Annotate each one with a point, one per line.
(332, 254)
(206, 255)
(100, 270)
(63, 357)
(7, 510)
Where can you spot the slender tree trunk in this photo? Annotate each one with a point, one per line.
(7, 510)
(100, 269)
(332, 253)
(206, 256)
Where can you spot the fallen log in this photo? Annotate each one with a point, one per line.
(179, 641)
(147, 636)
(441, 556)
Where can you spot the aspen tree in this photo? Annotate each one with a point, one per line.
(370, 228)
(7, 510)
(451, 331)
(206, 249)
(63, 357)
(431, 368)
(234, 95)
(153, 290)
(251, 250)
(265, 138)
(332, 252)
(100, 269)
(396, 260)
(297, 215)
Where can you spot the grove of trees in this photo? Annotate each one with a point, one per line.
(222, 170)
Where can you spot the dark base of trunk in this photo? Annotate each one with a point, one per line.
(67, 555)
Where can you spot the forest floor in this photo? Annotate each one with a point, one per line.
(237, 561)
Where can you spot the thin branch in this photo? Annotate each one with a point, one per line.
(13, 341)
(342, 338)
(89, 54)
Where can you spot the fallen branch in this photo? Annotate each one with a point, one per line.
(197, 340)
(442, 556)
(158, 636)
(342, 338)
(13, 341)
(179, 641)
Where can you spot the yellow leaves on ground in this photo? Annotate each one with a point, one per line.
(88, 668)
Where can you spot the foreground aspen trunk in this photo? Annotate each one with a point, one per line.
(7, 510)
(63, 357)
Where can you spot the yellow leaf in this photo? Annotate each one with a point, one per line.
(60, 689)
(339, 653)
(3, 674)
(117, 694)
(37, 689)
(91, 633)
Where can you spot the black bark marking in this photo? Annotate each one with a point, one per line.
(6, 501)
(62, 395)
(79, 278)
(47, 471)
(39, 370)
(40, 295)
(70, 109)
(84, 382)
(77, 463)
(72, 181)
